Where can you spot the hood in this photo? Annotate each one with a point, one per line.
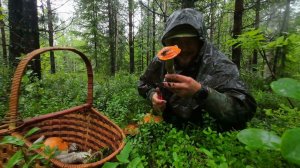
(185, 17)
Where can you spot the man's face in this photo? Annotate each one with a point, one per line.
(189, 46)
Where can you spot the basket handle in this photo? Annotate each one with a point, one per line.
(15, 88)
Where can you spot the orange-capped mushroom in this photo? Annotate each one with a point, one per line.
(168, 52)
(131, 129)
(58, 142)
(148, 118)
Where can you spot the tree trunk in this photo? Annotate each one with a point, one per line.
(256, 24)
(119, 63)
(15, 9)
(142, 44)
(211, 32)
(165, 8)
(281, 51)
(131, 44)
(148, 36)
(237, 30)
(111, 38)
(286, 18)
(24, 35)
(219, 32)
(95, 34)
(220, 21)
(188, 4)
(284, 31)
(267, 73)
(31, 33)
(51, 34)
(153, 31)
(3, 38)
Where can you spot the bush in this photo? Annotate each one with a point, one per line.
(53, 93)
(161, 145)
(268, 99)
(5, 81)
(118, 98)
(165, 146)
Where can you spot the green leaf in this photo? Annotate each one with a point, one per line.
(51, 152)
(12, 140)
(207, 152)
(25, 165)
(290, 145)
(124, 154)
(287, 87)
(175, 156)
(29, 88)
(110, 165)
(2, 17)
(223, 165)
(32, 131)
(36, 146)
(259, 139)
(15, 159)
(136, 162)
(279, 42)
(34, 158)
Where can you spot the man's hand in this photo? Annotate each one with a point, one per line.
(158, 103)
(181, 85)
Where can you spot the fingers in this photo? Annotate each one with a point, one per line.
(157, 99)
(159, 94)
(158, 103)
(174, 86)
(182, 86)
(176, 78)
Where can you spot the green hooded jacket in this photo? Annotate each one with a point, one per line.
(228, 101)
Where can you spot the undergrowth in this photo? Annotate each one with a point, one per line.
(161, 145)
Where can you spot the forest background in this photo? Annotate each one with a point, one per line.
(120, 39)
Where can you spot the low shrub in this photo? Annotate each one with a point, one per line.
(118, 98)
(161, 144)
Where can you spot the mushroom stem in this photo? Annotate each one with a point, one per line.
(169, 65)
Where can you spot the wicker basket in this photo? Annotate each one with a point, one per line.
(82, 125)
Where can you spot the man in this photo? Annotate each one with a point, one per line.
(205, 79)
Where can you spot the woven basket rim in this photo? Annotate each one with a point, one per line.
(21, 68)
(15, 129)
(61, 164)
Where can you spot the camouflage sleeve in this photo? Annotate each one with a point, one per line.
(231, 109)
(150, 78)
(228, 100)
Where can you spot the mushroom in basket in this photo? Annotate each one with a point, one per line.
(67, 153)
(57, 142)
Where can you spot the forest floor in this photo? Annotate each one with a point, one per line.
(161, 144)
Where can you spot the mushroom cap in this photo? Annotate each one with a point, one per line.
(131, 129)
(168, 52)
(150, 118)
(58, 142)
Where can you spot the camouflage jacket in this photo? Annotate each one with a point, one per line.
(228, 101)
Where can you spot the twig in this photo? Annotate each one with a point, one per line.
(263, 54)
(147, 7)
